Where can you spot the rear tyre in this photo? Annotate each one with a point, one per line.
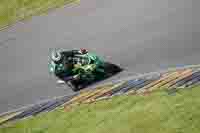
(112, 69)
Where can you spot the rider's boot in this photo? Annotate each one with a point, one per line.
(60, 81)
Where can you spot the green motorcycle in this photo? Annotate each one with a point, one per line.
(79, 69)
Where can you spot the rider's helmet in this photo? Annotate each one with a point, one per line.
(83, 51)
(56, 56)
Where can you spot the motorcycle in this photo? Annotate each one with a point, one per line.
(80, 78)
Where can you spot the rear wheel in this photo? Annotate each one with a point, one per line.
(112, 69)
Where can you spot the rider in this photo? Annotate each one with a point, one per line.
(67, 61)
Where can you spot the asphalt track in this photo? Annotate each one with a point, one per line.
(140, 35)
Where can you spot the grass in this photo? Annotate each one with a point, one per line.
(14, 10)
(157, 113)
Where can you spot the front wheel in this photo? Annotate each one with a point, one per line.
(75, 85)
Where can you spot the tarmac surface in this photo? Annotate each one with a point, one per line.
(141, 36)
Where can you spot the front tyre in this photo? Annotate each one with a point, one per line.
(74, 85)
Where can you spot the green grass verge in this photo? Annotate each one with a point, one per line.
(14, 10)
(157, 113)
